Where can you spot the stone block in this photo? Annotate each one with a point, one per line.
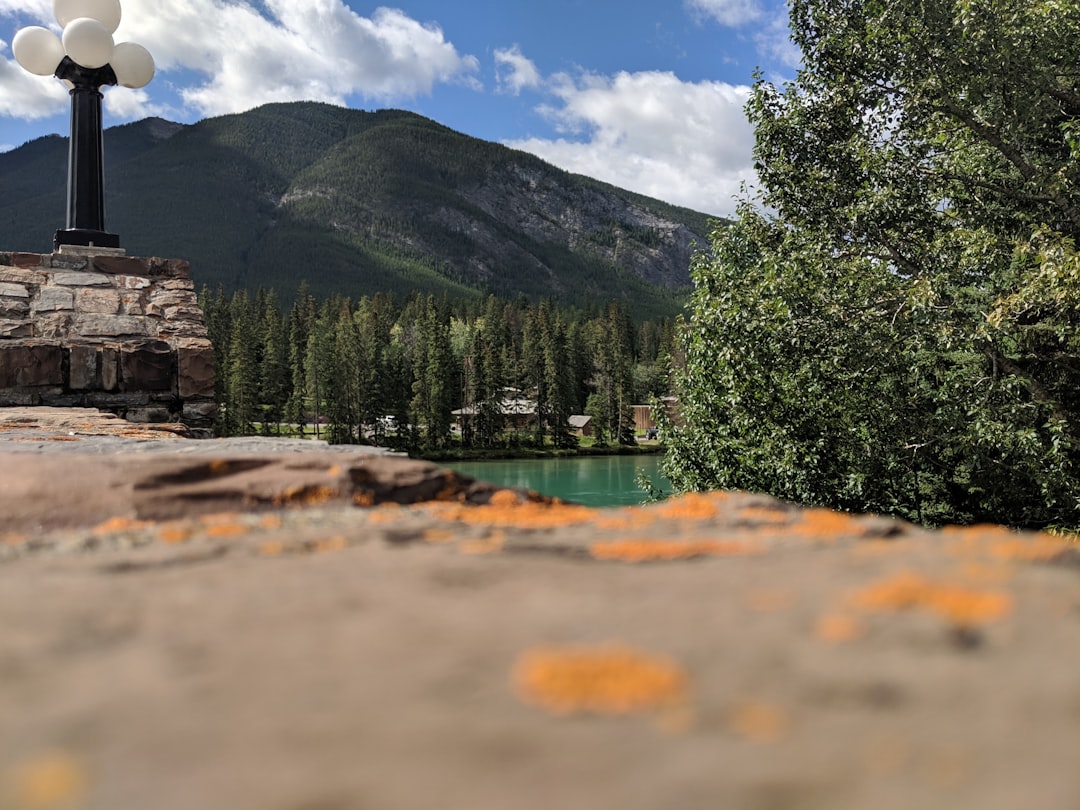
(27, 366)
(110, 369)
(13, 275)
(81, 280)
(53, 299)
(132, 302)
(25, 260)
(147, 415)
(92, 301)
(11, 398)
(133, 282)
(122, 265)
(83, 368)
(200, 413)
(16, 329)
(148, 368)
(195, 369)
(13, 309)
(9, 290)
(107, 326)
(114, 402)
(56, 326)
(180, 330)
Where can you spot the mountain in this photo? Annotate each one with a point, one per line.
(356, 202)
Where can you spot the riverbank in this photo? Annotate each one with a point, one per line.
(521, 453)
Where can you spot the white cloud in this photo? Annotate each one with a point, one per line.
(732, 13)
(687, 143)
(25, 96)
(515, 72)
(315, 50)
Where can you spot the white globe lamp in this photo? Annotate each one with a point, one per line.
(85, 59)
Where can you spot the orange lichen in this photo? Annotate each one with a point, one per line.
(224, 530)
(824, 525)
(958, 604)
(270, 522)
(364, 499)
(506, 511)
(385, 515)
(51, 781)
(277, 548)
(306, 495)
(120, 524)
(760, 514)
(439, 536)
(1042, 548)
(693, 506)
(612, 679)
(759, 721)
(492, 544)
(175, 533)
(838, 628)
(645, 550)
(13, 539)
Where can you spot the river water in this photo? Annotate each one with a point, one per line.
(587, 480)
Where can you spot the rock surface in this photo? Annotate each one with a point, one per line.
(199, 624)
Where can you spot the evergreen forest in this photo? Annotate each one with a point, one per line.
(391, 371)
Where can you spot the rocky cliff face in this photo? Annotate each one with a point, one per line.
(586, 220)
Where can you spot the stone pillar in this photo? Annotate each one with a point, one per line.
(93, 328)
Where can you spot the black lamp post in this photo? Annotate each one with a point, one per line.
(85, 60)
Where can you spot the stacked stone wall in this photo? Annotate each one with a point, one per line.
(118, 333)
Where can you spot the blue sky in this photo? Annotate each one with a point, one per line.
(644, 95)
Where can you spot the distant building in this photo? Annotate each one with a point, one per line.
(581, 425)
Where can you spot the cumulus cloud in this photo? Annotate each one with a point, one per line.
(732, 13)
(687, 143)
(316, 50)
(26, 96)
(515, 72)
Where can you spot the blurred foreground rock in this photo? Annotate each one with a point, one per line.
(199, 624)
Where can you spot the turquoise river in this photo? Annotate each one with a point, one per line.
(588, 480)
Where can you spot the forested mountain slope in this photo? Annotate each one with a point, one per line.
(360, 202)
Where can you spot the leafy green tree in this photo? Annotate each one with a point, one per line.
(892, 324)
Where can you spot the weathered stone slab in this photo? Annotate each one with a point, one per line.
(55, 326)
(15, 310)
(195, 369)
(83, 364)
(94, 301)
(111, 326)
(23, 366)
(16, 329)
(14, 275)
(81, 280)
(110, 369)
(9, 290)
(53, 299)
(122, 265)
(149, 368)
(134, 282)
(26, 260)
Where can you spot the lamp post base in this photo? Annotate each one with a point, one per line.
(85, 238)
